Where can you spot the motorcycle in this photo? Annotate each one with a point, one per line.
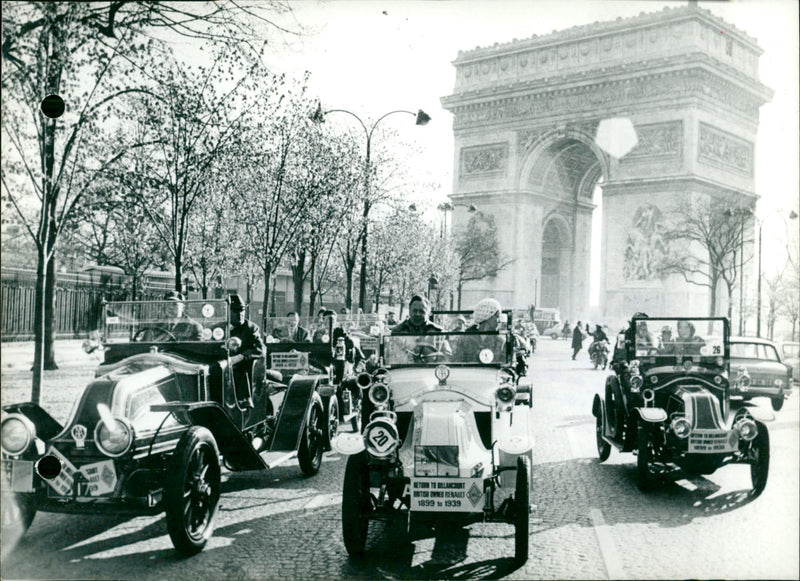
(598, 352)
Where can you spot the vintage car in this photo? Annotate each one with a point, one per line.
(149, 433)
(319, 356)
(769, 375)
(668, 401)
(447, 438)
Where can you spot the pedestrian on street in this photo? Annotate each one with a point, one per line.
(577, 340)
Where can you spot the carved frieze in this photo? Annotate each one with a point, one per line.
(657, 140)
(646, 246)
(605, 95)
(721, 148)
(484, 159)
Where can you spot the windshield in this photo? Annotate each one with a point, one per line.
(484, 349)
(790, 350)
(165, 321)
(658, 337)
(754, 351)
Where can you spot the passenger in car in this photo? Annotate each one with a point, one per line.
(251, 349)
(687, 343)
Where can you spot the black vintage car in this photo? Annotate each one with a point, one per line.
(668, 401)
(168, 407)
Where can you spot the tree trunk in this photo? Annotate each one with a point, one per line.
(50, 314)
(267, 291)
(298, 280)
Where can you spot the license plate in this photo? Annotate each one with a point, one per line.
(712, 442)
(447, 494)
(18, 475)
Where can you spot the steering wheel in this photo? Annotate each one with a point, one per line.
(425, 353)
(161, 331)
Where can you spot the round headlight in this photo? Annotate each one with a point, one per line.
(746, 429)
(114, 439)
(16, 434)
(379, 394)
(381, 437)
(681, 427)
(636, 382)
(505, 394)
(778, 383)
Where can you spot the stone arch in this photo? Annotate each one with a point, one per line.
(526, 114)
(557, 243)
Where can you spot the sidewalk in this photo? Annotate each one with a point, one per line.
(69, 353)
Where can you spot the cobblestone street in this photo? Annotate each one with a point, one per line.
(589, 520)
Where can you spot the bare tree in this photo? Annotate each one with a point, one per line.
(478, 251)
(706, 238)
(85, 53)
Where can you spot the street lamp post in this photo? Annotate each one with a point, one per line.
(422, 118)
(449, 207)
(792, 216)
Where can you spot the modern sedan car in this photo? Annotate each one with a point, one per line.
(769, 375)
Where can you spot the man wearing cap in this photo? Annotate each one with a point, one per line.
(178, 324)
(251, 348)
(417, 322)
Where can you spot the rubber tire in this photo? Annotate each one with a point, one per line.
(18, 511)
(312, 441)
(777, 403)
(646, 480)
(554, 336)
(522, 510)
(196, 446)
(332, 416)
(760, 470)
(603, 447)
(356, 504)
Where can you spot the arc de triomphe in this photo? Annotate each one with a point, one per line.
(525, 119)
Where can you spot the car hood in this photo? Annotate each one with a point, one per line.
(477, 384)
(758, 367)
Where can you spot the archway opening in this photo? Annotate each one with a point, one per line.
(553, 244)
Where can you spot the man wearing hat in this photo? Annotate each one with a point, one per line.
(417, 322)
(251, 349)
(178, 324)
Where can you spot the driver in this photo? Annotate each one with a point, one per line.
(177, 323)
(417, 323)
(251, 349)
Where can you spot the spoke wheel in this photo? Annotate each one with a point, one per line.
(312, 442)
(356, 504)
(192, 491)
(17, 511)
(332, 416)
(522, 509)
(644, 461)
(759, 459)
(603, 447)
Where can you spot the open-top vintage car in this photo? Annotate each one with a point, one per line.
(447, 438)
(668, 401)
(150, 432)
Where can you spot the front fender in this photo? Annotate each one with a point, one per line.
(652, 415)
(759, 413)
(597, 406)
(349, 444)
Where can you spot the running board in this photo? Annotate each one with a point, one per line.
(273, 459)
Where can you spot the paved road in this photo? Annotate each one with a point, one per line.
(589, 522)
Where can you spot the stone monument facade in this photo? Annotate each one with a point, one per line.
(525, 120)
